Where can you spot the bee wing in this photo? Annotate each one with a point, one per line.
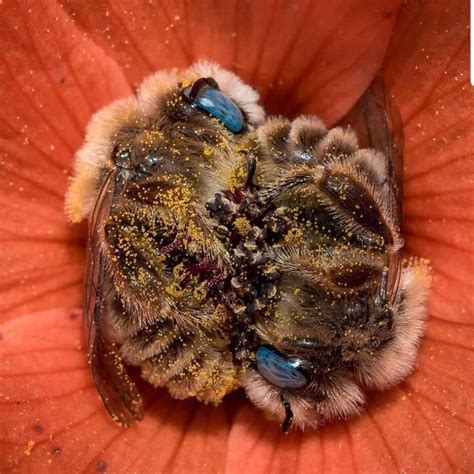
(377, 122)
(117, 390)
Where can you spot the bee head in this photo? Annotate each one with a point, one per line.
(182, 115)
(321, 347)
(186, 124)
(310, 351)
(203, 96)
(298, 388)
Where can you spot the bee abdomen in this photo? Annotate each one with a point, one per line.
(149, 341)
(189, 367)
(208, 378)
(169, 362)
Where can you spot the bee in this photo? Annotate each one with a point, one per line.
(228, 250)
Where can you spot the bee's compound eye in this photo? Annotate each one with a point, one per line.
(150, 163)
(279, 370)
(205, 95)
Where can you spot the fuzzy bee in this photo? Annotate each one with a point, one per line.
(229, 250)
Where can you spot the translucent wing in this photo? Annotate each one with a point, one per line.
(377, 122)
(117, 390)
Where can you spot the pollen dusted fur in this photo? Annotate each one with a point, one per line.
(267, 257)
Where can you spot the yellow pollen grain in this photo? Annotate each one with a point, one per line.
(220, 314)
(293, 234)
(237, 177)
(29, 447)
(194, 232)
(200, 293)
(242, 225)
(179, 272)
(174, 290)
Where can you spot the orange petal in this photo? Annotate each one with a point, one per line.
(53, 79)
(431, 83)
(52, 419)
(304, 57)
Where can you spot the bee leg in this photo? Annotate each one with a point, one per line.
(288, 421)
(251, 168)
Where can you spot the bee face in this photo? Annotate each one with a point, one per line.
(226, 251)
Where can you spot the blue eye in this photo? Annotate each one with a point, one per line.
(279, 370)
(206, 97)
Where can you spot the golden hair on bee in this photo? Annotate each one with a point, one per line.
(231, 250)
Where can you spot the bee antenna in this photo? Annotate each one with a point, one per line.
(288, 421)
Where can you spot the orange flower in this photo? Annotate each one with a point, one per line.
(61, 61)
